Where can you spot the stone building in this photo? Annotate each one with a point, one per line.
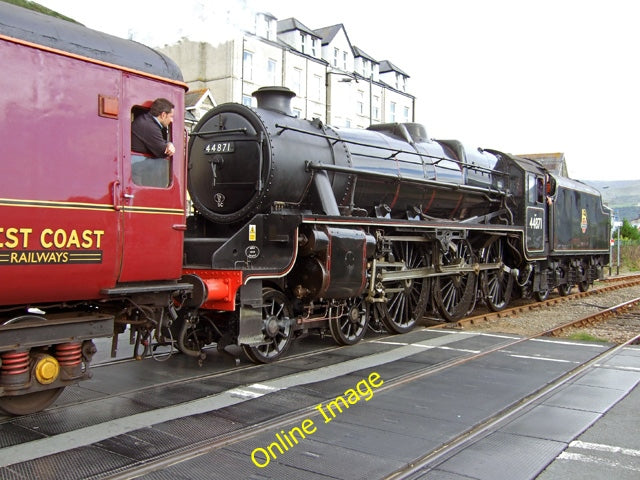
(334, 80)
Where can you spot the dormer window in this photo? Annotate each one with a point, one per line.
(303, 40)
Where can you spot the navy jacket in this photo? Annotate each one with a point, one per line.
(148, 136)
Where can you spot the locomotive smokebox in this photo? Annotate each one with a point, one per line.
(277, 99)
(243, 161)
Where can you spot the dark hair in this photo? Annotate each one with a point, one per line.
(160, 105)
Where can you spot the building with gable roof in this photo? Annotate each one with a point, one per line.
(556, 163)
(333, 80)
(196, 104)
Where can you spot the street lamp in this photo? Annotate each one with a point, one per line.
(347, 78)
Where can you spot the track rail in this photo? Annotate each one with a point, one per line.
(595, 317)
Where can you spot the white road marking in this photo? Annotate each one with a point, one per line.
(596, 460)
(604, 448)
(529, 357)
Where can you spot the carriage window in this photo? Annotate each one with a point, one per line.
(149, 166)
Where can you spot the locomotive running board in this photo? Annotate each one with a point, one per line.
(130, 289)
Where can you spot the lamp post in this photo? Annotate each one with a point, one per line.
(348, 78)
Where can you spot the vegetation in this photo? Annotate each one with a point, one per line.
(585, 337)
(40, 8)
(629, 256)
(628, 231)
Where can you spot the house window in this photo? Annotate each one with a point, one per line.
(376, 108)
(344, 61)
(297, 112)
(392, 111)
(314, 45)
(297, 81)
(247, 65)
(303, 40)
(360, 102)
(336, 53)
(317, 87)
(406, 114)
(271, 72)
(246, 100)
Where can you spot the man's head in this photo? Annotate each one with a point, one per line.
(162, 109)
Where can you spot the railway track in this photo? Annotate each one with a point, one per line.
(623, 309)
(488, 316)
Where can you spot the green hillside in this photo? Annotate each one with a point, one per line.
(39, 8)
(622, 196)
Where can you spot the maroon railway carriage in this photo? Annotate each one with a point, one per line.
(83, 243)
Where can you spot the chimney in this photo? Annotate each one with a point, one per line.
(277, 99)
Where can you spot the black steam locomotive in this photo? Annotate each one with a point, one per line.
(303, 227)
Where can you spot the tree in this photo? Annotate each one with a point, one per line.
(628, 231)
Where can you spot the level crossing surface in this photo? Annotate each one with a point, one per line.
(367, 411)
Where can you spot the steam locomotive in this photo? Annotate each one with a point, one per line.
(298, 227)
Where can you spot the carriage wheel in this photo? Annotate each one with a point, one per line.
(406, 299)
(453, 294)
(276, 328)
(30, 402)
(496, 284)
(351, 327)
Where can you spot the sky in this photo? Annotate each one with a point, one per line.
(535, 76)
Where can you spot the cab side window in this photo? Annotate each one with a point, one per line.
(539, 189)
(148, 170)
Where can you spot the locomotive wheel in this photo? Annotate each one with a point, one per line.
(496, 284)
(564, 289)
(30, 402)
(453, 294)
(541, 295)
(406, 299)
(350, 328)
(583, 286)
(276, 329)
